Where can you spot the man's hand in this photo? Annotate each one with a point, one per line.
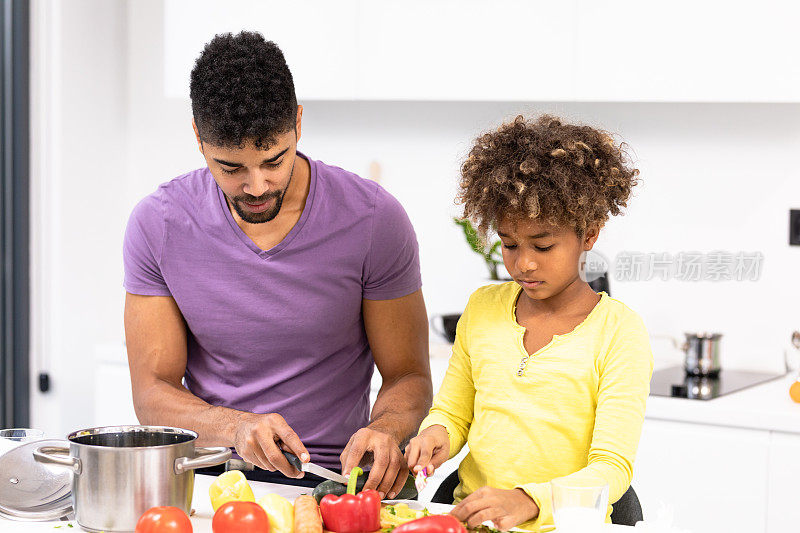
(506, 508)
(258, 440)
(397, 331)
(389, 471)
(428, 450)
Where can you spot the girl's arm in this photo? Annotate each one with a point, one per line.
(453, 404)
(624, 384)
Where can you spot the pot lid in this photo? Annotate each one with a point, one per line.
(703, 335)
(34, 491)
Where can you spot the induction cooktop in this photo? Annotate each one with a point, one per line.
(674, 382)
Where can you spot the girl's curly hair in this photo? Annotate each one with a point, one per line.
(562, 174)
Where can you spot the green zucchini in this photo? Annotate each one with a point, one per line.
(408, 492)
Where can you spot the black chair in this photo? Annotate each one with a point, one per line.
(444, 494)
(626, 511)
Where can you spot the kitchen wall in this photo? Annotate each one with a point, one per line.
(714, 177)
(79, 172)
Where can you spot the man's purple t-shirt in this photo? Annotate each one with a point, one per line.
(278, 330)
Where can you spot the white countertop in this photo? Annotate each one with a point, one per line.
(765, 407)
(201, 519)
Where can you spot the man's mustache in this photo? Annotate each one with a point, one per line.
(256, 200)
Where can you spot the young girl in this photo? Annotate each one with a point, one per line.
(547, 379)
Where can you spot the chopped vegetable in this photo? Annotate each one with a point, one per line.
(394, 515)
(353, 479)
(483, 528)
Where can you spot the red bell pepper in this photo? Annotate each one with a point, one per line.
(437, 523)
(351, 512)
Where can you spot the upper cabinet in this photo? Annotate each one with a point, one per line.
(687, 51)
(317, 37)
(465, 50)
(509, 50)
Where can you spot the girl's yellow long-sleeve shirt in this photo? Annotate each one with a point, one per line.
(576, 410)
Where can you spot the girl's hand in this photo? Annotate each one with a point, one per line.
(506, 508)
(428, 450)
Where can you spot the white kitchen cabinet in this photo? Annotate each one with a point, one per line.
(713, 478)
(783, 483)
(627, 50)
(317, 37)
(578, 50)
(457, 50)
(509, 50)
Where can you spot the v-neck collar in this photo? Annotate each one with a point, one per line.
(520, 329)
(247, 241)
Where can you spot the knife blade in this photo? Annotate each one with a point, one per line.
(311, 468)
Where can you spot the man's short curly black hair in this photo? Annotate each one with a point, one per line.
(242, 91)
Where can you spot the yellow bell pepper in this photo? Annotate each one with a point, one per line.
(280, 512)
(228, 487)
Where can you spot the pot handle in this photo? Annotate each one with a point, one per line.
(205, 457)
(51, 455)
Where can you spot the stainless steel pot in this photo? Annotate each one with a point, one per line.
(122, 471)
(702, 354)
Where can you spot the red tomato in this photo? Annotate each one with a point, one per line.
(240, 517)
(164, 520)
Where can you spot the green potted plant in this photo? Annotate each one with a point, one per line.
(491, 255)
(488, 250)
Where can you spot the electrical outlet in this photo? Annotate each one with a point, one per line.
(794, 227)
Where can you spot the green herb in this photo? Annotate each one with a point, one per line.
(489, 251)
(392, 511)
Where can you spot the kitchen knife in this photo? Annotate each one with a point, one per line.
(313, 469)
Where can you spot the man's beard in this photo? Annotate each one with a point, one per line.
(264, 216)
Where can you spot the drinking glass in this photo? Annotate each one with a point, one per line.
(579, 506)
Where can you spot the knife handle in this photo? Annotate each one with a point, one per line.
(293, 460)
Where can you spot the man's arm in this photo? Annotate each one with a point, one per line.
(155, 334)
(397, 331)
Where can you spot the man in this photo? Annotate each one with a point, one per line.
(261, 289)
